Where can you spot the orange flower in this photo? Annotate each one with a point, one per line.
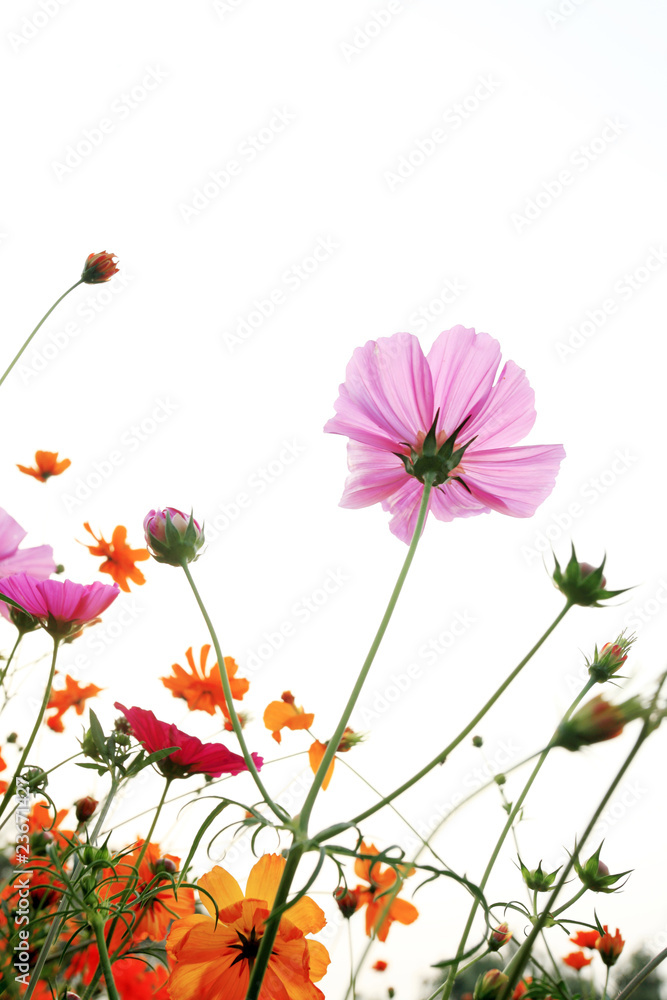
(203, 690)
(47, 465)
(151, 918)
(577, 960)
(522, 987)
(119, 557)
(585, 939)
(3, 784)
(214, 953)
(380, 965)
(284, 714)
(376, 897)
(318, 750)
(610, 947)
(73, 695)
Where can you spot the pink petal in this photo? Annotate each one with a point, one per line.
(404, 509)
(463, 364)
(387, 396)
(374, 475)
(453, 500)
(513, 481)
(37, 562)
(507, 414)
(11, 536)
(24, 590)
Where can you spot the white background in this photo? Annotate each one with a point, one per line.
(350, 92)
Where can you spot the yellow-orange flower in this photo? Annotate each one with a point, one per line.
(284, 714)
(47, 465)
(214, 955)
(377, 895)
(119, 558)
(73, 695)
(204, 690)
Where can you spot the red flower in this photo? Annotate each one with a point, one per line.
(577, 960)
(522, 987)
(193, 757)
(380, 965)
(47, 465)
(585, 939)
(99, 267)
(610, 947)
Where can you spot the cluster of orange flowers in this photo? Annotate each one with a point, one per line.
(607, 945)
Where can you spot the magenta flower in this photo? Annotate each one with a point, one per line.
(194, 757)
(61, 607)
(411, 417)
(37, 561)
(172, 536)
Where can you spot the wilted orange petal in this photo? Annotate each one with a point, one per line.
(315, 757)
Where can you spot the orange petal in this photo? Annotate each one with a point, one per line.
(222, 886)
(264, 878)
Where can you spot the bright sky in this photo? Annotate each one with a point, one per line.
(282, 183)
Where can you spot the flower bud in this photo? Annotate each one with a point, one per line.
(538, 880)
(172, 537)
(595, 722)
(500, 936)
(347, 900)
(582, 583)
(610, 659)
(489, 984)
(164, 866)
(594, 874)
(99, 267)
(477, 741)
(610, 947)
(85, 808)
(35, 778)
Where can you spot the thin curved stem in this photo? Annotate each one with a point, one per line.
(42, 320)
(236, 724)
(9, 794)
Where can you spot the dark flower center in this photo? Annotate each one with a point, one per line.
(433, 462)
(247, 947)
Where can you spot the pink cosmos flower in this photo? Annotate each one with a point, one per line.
(61, 606)
(37, 561)
(194, 757)
(172, 536)
(411, 417)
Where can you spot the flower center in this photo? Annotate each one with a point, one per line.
(247, 947)
(436, 458)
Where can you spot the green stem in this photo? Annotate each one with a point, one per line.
(353, 972)
(471, 725)
(3, 673)
(272, 923)
(447, 989)
(368, 662)
(44, 317)
(606, 983)
(516, 966)
(565, 906)
(105, 964)
(9, 794)
(641, 975)
(298, 847)
(236, 724)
